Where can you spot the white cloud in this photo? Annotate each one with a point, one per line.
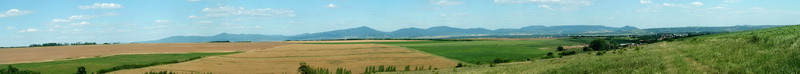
(446, 2)
(60, 21)
(697, 3)
(10, 28)
(14, 12)
(554, 4)
(110, 14)
(192, 0)
(757, 8)
(204, 22)
(454, 14)
(732, 1)
(81, 17)
(28, 30)
(162, 21)
(544, 6)
(645, 1)
(227, 11)
(79, 23)
(101, 6)
(331, 6)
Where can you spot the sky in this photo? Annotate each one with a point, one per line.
(24, 22)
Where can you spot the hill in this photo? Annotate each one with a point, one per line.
(451, 32)
(764, 51)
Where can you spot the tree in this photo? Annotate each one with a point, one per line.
(408, 68)
(11, 69)
(81, 70)
(560, 48)
(601, 44)
(305, 69)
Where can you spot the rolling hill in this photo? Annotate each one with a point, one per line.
(763, 51)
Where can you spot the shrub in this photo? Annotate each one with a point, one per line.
(587, 49)
(459, 65)
(559, 48)
(601, 53)
(81, 70)
(500, 60)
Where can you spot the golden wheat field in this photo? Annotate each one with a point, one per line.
(286, 59)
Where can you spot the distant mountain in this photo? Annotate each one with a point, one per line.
(219, 37)
(437, 31)
(366, 32)
(359, 32)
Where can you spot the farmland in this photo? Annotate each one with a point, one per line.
(286, 59)
(40, 54)
(484, 50)
(95, 64)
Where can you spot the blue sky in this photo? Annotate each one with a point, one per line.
(24, 22)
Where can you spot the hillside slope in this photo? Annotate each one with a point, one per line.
(764, 51)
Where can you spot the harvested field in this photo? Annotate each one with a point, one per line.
(343, 41)
(286, 59)
(40, 54)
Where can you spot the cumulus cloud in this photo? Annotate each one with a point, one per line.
(81, 17)
(331, 6)
(79, 23)
(101, 6)
(162, 21)
(227, 11)
(60, 21)
(697, 3)
(446, 2)
(544, 6)
(14, 12)
(204, 22)
(645, 1)
(28, 30)
(554, 4)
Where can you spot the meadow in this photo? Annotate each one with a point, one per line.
(97, 63)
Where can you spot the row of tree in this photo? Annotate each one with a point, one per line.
(13, 70)
(307, 69)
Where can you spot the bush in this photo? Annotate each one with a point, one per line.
(567, 53)
(549, 55)
(601, 53)
(559, 48)
(459, 65)
(587, 49)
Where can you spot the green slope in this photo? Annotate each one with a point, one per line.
(764, 51)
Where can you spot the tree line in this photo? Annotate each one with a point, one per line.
(307, 69)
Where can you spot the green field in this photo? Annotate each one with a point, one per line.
(484, 50)
(95, 64)
(766, 51)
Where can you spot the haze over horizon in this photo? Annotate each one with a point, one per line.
(38, 21)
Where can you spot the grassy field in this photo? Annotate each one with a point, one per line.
(95, 64)
(485, 50)
(766, 51)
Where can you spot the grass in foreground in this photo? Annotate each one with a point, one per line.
(766, 51)
(95, 64)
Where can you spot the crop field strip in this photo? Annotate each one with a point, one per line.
(285, 59)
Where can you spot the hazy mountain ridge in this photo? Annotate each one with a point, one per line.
(412, 32)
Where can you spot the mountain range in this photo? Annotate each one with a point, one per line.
(366, 32)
